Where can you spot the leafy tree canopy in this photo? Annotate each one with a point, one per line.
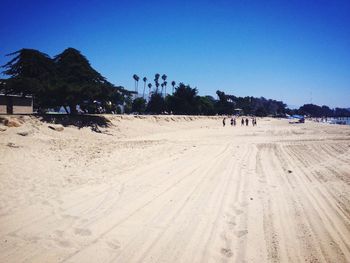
(78, 81)
(30, 72)
(184, 100)
(139, 105)
(156, 104)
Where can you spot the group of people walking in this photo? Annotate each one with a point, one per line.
(244, 121)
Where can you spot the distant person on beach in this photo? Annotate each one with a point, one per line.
(231, 121)
(224, 122)
(246, 122)
(255, 122)
(234, 122)
(242, 122)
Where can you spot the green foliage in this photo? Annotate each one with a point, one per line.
(156, 105)
(322, 111)
(224, 105)
(249, 105)
(156, 81)
(206, 105)
(139, 105)
(66, 80)
(260, 112)
(341, 112)
(30, 72)
(78, 81)
(184, 100)
(128, 105)
(118, 110)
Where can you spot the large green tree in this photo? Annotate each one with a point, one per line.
(139, 105)
(156, 104)
(30, 72)
(184, 100)
(206, 105)
(78, 82)
(224, 105)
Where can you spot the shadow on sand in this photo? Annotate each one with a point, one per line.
(80, 121)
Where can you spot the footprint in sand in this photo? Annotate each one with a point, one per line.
(227, 252)
(241, 233)
(82, 232)
(63, 243)
(231, 220)
(66, 216)
(113, 244)
(231, 224)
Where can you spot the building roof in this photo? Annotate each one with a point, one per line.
(16, 95)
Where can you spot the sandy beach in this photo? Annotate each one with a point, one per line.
(175, 189)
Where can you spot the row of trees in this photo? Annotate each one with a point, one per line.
(156, 82)
(185, 100)
(322, 111)
(68, 79)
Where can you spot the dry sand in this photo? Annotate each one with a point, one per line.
(175, 189)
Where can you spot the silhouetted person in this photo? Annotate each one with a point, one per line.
(234, 122)
(231, 121)
(224, 122)
(246, 122)
(242, 122)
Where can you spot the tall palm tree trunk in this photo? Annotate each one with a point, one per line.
(144, 88)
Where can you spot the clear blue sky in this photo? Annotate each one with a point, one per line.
(293, 51)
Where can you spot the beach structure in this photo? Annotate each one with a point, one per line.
(16, 104)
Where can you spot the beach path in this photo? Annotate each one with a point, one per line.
(188, 191)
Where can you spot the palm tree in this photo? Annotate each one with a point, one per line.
(173, 83)
(164, 77)
(165, 83)
(144, 86)
(136, 78)
(161, 93)
(156, 81)
(149, 89)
